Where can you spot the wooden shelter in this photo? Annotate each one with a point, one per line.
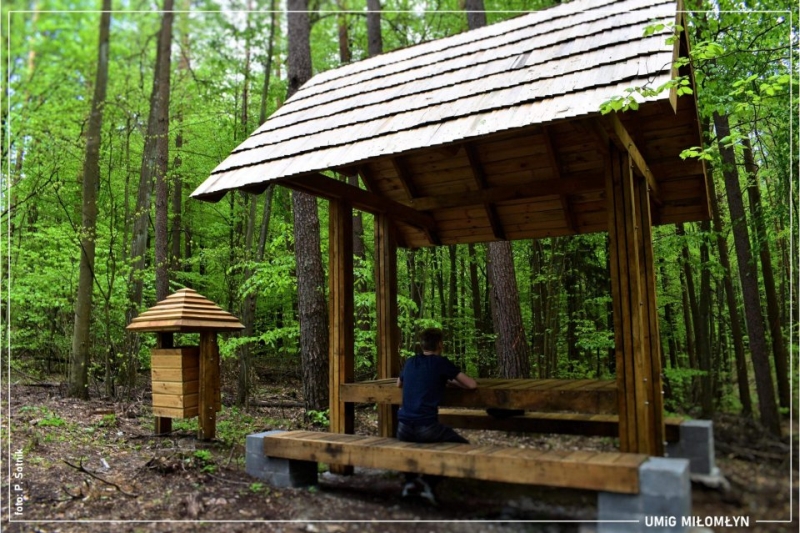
(186, 379)
(496, 134)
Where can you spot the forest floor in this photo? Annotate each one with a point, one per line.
(95, 466)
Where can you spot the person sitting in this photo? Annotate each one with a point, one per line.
(423, 380)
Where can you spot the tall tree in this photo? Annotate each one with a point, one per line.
(730, 297)
(374, 38)
(154, 164)
(311, 303)
(779, 355)
(161, 134)
(79, 364)
(249, 303)
(765, 388)
(512, 346)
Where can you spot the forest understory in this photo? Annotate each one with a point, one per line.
(87, 464)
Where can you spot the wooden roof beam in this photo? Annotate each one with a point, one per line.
(480, 181)
(404, 176)
(569, 185)
(367, 177)
(332, 189)
(569, 216)
(616, 131)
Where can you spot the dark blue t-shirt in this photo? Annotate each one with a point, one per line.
(424, 379)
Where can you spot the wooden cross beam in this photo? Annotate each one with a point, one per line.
(569, 185)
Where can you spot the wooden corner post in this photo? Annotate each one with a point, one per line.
(641, 425)
(342, 319)
(388, 334)
(163, 425)
(209, 395)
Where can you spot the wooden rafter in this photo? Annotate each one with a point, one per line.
(617, 133)
(480, 181)
(404, 176)
(569, 216)
(332, 189)
(366, 176)
(569, 185)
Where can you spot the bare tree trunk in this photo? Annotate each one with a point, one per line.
(512, 347)
(79, 364)
(249, 303)
(742, 380)
(476, 14)
(155, 128)
(176, 207)
(312, 308)
(484, 367)
(344, 34)
(773, 309)
(162, 155)
(704, 332)
(765, 388)
(694, 344)
(262, 117)
(374, 39)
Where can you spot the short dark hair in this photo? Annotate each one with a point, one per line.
(431, 338)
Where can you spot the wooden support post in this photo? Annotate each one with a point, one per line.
(342, 320)
(641, 428)
(162, 424)
(388, 333)
(652, 338)
(209, 386)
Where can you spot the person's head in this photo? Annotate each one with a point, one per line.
(432, 340)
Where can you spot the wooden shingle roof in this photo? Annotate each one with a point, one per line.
(185, 311)
(489, 134)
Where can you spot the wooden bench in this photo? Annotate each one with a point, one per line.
(595, 425)
(600, 471)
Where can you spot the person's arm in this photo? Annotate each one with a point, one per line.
(464, 381)
(399, 382)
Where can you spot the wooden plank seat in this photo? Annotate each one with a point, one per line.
(582, 395)
(606, 471)
(594, 425)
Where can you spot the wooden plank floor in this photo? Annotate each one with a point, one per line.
(613, 472)
(584, 396)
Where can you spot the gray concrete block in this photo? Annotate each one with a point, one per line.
(665, 497)
(664, 477)
(277, 471)
(697, 445)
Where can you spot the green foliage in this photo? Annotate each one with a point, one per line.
(319, 418)
(51, 420)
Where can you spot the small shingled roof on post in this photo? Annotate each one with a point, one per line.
(185, 311)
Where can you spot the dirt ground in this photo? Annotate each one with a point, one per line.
(96, 467)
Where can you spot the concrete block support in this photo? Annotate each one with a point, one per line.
(274, 470)
(665, 497)
(697, 445)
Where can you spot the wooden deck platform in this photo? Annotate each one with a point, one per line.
(613, 472)
(594, 425)
(581, 395)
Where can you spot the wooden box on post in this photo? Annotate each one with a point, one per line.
(175, 373)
